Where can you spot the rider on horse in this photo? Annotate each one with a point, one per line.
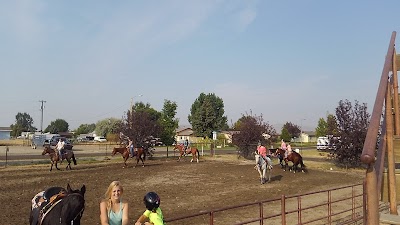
(261, 150)
(283, 146)
(185, 146)
(60, 147)
(130, 147)
(288, 150)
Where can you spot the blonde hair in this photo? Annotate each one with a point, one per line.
(107, 195)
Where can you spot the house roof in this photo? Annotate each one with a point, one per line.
(185, 132)
(180, 129)
(5, 129)
(309, 133)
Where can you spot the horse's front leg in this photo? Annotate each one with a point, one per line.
(137, 161)
(260, 173)
(142, 160)
(180, 156)
(125, 159)
(56, 165)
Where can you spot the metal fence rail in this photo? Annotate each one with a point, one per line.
(352, 212)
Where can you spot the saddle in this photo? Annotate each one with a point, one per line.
(50, 198)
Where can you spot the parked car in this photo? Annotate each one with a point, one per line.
(54, 141)
(100, 139)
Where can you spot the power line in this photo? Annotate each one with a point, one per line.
(41, 119)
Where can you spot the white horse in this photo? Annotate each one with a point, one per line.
(262, 166)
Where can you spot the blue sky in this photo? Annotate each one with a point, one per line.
(287, 60)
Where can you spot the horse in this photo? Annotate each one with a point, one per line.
(294, 157)
(68, 155)
(262, 166)
(140, 154)
(60, 206)
(190, 150)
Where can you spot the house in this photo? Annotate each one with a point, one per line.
(306, 137)
(5, 133)
(183, 133)
(228, 135)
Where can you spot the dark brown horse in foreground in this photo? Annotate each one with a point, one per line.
(190, 150)
(139, 153)
(68, 155)
(58, 206)
(294, 157)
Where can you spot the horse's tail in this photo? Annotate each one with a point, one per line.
(144, 154)
(198, 154)
(73, 158)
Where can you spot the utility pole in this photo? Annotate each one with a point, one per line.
(41, 119)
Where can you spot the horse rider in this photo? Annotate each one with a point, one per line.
(130, 147)
(288, 150)
(186, 145)
(60, 147)
(262, 151)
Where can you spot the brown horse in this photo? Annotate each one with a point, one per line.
(294, 157)
(68, 155)
(191, 150)
(140, 154)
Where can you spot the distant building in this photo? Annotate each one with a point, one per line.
(306, 136)
(186, 133)
(5, 133)
(228, 135)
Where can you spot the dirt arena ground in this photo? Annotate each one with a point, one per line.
(185, 188)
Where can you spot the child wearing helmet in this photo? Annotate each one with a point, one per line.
(153, 211)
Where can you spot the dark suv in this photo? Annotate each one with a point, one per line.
(54, 141)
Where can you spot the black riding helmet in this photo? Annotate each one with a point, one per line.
(151, 200)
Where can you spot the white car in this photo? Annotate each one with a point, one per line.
(100, 139)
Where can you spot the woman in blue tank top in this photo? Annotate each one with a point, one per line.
(113, 210)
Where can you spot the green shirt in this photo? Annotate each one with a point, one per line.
(155, 218)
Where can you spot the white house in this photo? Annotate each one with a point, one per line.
(183, 133)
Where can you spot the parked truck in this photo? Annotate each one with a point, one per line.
(322, 143)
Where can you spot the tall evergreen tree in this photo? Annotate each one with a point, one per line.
(169, 122)
(322, 127)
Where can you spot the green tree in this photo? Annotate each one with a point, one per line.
(251, 133)
(59, 125)
(285, 135)
(23, 122)
(293, 129)
(207, 115)
(168, 122)
(321, 129)
(85, 129)
(332, 126)
(107, 126)
(352, 129)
